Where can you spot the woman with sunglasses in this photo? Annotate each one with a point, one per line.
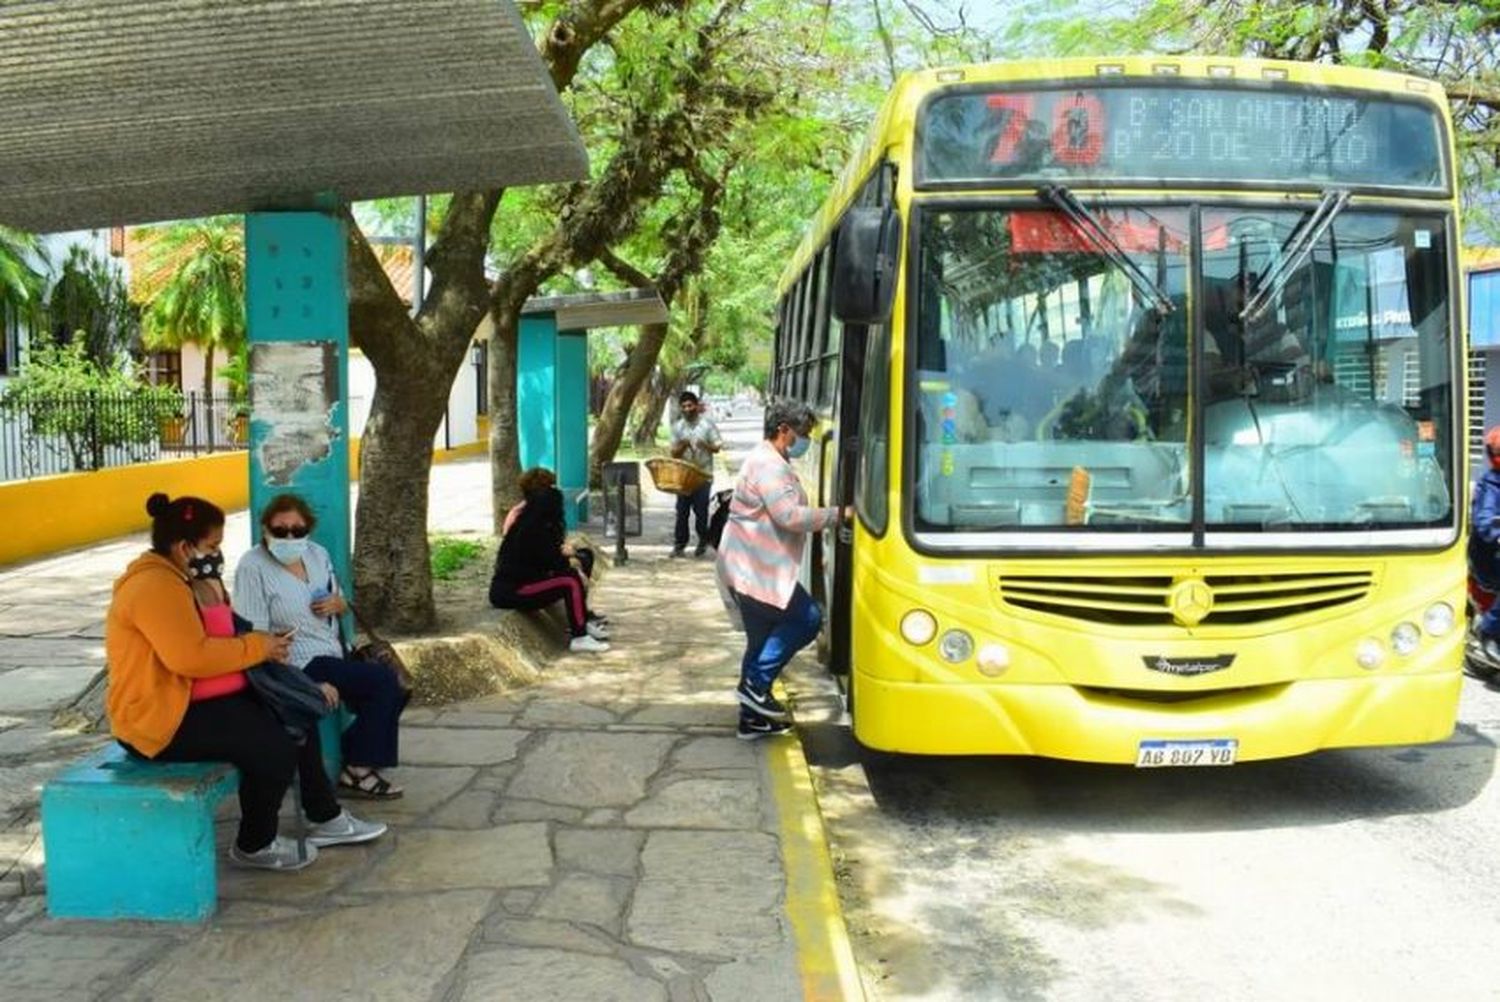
(287, 585)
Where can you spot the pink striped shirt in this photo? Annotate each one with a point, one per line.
(760, 555)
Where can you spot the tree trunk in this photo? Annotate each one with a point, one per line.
(652, 410)
(622, 395)
(208, 393)
(392, 563)
(505, 443)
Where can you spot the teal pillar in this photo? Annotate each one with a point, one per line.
(573, 423)
(552, 404)
(297, 306)
(536, 390)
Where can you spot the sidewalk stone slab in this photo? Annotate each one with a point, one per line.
(703, 754)
(586, 898)
(39, 653)
(610, 851)
(397, 949)
(718, 713)
(471, 809)
(733, 876)
(467, 718)
(553, 713)
(458, 746)
(546, 933)
(590, 770)
(532, 975)
(47, 968)
(507, 856)
(30, 690)
(700, 803)
(536, 810)
(772, 975)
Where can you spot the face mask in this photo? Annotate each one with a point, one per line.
(798, 448)
(288, 551)
(208, 566)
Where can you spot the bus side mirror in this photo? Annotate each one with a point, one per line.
(865, 266)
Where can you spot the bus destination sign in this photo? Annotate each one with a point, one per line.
(1154, 134)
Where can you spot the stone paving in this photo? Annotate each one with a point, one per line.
(599, 835)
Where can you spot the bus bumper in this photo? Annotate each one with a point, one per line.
(1064, 721)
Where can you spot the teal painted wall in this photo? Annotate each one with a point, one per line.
(573, 421)
(536, 390)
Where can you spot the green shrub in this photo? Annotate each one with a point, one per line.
(451, 555)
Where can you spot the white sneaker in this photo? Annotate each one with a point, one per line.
(345, 829)
(282, 854)
(597, 630)
(587, 645)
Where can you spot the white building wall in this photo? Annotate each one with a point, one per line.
(460, 428)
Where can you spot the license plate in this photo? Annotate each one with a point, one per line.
(1169, 754)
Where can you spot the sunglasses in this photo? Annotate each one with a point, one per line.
(286, 531)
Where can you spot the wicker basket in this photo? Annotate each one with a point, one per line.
(676, 476)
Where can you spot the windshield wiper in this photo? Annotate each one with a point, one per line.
(1296, 250)
(1084, 220)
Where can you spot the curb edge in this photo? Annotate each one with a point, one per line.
(825, 957)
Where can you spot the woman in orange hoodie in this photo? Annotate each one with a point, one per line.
(173, 696)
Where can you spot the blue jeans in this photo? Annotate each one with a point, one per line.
(773, 636)
(375, 697)
(697, 503)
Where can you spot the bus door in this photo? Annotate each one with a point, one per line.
(841, 464)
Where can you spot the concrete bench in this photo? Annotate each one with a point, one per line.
(131, 839)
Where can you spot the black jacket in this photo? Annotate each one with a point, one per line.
(532, 549)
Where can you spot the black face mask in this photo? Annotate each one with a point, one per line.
(209, 566)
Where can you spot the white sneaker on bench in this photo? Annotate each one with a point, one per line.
(345, 829)
(281, 854)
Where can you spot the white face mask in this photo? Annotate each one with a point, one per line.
(288, 551)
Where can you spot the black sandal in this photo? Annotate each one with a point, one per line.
(371, 786)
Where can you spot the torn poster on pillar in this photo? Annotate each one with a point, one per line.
(294, 387)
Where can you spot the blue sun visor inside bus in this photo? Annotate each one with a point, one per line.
(1157, 135)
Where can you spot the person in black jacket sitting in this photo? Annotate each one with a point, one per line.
(532, 570)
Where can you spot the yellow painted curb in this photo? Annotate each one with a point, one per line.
(824, 955)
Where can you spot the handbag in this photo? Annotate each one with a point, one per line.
(295, 700)
(378, 650)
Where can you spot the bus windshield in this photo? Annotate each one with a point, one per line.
(1052, 393)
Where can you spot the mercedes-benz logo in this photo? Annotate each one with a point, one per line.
(1191, 601)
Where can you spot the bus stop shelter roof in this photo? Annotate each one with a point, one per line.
(129, 111)
(586, 310)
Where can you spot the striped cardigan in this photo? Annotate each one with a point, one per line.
(760, 554)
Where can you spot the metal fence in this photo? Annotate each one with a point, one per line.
(46, 434)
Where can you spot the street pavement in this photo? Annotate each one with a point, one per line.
(599, 835)
(1362, 875)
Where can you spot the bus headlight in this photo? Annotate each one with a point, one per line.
(956, 646)
(1369, 654)
(1438, 619)
(994, 659)
(918, 627)
(1405, 638)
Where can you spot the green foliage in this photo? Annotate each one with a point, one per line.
(21, 284)
(451, 554)
(64, 396)
(89, 302)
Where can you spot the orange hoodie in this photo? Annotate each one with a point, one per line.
(155, 644)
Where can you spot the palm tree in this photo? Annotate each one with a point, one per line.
(21, 285)
(200, 265)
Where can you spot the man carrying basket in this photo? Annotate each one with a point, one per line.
(695, 439)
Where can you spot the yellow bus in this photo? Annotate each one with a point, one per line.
(1144, 376)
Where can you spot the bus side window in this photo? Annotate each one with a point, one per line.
(872, 489)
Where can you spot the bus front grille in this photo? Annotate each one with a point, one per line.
(1236, 599)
